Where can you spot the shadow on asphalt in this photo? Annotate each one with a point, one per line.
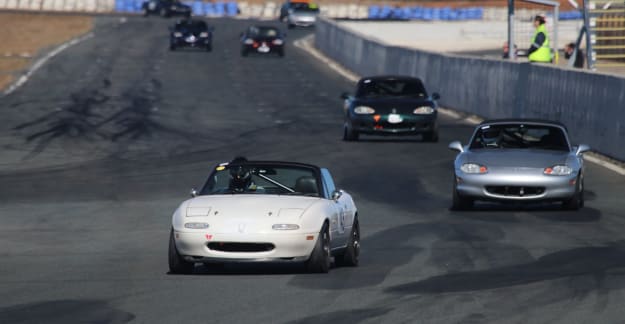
(65, 311)
(585, 261)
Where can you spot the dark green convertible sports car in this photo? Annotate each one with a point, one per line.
(390, 105)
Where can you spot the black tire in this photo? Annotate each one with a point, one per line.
(281, 53)
(177, 264)
(164, 13)
(431, 137)
(209, 47)
(291, 26)
(577, 201)
(350, 257)
(320, 259)
(243, 53)
(459, 202)
(349, 134)
(146, 12)
(172, 47)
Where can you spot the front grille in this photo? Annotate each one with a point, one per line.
(516, 191)
(240, 247)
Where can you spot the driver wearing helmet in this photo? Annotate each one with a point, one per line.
(490, 138)
(241, 176)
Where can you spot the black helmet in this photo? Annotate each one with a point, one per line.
(240, 175)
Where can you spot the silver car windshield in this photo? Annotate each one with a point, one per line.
(262, 179)
(520, 136)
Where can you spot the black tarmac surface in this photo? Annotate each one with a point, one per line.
(103, 143)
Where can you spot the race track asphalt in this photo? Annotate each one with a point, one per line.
(103, 143)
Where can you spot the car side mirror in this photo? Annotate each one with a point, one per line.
(436, 96)
(582, 148)
(456, 146)
(194, 192)
(336, 195)
(344, 95)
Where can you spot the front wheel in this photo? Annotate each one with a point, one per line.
(459, 202)
(350, 257)
(145, 12)
(209, 47)
(177, 264)
(431, 136)
(577, 201)
(243, 52)
(350, 134)
(319, 261)
(164, 13)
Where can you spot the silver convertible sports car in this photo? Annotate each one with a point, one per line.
(519, 160)
(255, 211)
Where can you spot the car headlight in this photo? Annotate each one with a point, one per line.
(203, 34)
(364, 110)
(558, 170)
(177, 34)
(248, 41)
(425, 110)
(195, 225)
(473, 168)
(285, 227)
(278, 42)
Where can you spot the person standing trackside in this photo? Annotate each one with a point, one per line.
(539, 51)
(574, 54)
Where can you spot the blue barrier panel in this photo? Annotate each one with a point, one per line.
(417, 13)
(445, 13)
(386, 12)
(232, 9)
(427, 14)
(130, 6)
(436, 13)
(373, 12)
(120, 5)
(198, 8)
(220, 9)
(209, 9)
(476, 13)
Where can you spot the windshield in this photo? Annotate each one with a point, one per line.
(520, 136)
(264, 32)
(193, 27)
(391, 88)
(262, 179)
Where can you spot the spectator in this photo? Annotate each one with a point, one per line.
(571, 52)
(539, 51)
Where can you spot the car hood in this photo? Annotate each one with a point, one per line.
(248, 206)
(404, 105)
(517, 158)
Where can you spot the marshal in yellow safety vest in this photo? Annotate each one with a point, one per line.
(539, 49)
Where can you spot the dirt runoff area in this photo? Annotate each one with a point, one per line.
(27, 35)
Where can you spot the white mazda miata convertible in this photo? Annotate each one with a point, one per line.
(254, 211)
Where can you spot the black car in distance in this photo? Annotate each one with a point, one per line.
(165, 8)
(262, 40)
(390, 105)
(191, 33)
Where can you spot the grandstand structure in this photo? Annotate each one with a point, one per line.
(605, 25)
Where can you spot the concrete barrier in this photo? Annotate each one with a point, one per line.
(592, 105)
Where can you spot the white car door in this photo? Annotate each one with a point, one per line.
(339, 209)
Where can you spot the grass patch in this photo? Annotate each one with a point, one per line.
(28, 34)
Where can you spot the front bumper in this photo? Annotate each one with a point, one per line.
(194, 246)
(302, 22)
(186, 42)
(409, 125)
(515, 187)
(267, 49)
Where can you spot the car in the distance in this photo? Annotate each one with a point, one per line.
(519, 160)
(262, 40)
(191, 33)
(302, 16)
(165, 8)
(265, 211)
(390, 105)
